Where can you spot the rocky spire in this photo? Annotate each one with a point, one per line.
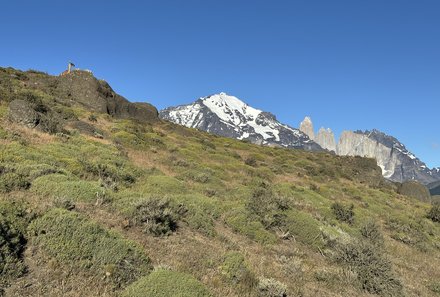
(306, 127)
(326, 139)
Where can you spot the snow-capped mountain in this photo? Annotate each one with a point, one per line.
(228, 116)
(397, 162)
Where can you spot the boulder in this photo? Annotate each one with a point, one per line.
(23, 112)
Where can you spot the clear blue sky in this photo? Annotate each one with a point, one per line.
(348, 64)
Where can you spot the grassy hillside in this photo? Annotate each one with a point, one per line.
(107, 206)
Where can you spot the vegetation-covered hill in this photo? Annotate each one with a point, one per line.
(103, 202)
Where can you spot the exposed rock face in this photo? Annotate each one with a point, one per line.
(306, 126)
(81, 87)
(228, 116)
(397, 163)
(22, 112)
(326, 139)
(434, 188)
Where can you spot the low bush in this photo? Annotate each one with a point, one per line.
(11, 248)
(268, 207)
(251, 161)
(343, 213)
(303, 228)
(373, 269)
(435, 287)
(408, 230)
(198, 212)
(75, 240)
(268, 287)
(93, 118)
(371, 232)
(11, 181)
(162, 185)
(71, 188)
(155, 216)
(13, 222)
(166, 283)
(434, 213)
(242, 222)
(236, 270)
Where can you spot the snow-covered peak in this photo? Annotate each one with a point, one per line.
(226, 115)
(230, 109)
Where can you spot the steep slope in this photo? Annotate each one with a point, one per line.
(434, 188)
(91, 215)
(227, 116)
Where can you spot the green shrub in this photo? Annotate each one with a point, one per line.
(236, 270)
(63, 202)
(408, 230)
(198, 212)
(110, 173)
(10, 181)
(162, 185)
(435, 287)
(434, 213)
(75, 240)
(11, 248)
(251, 161)
(268, 287)
(268, 207)
(373, 269)
(62, 186)
(343, 213)
(303, 228)
(242, 222)
(93, 118)
(155, 216)
(165, 283)
(13, 222)
(371, 231)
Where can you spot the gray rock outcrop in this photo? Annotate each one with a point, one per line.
(397, 163)
(306, 126)
(326, 139)
(23, 112)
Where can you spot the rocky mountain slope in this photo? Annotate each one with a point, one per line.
(228, 116)
(434, 188)
(396, 161)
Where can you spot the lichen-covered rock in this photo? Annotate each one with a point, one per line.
(81, 87)
(22, 112)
